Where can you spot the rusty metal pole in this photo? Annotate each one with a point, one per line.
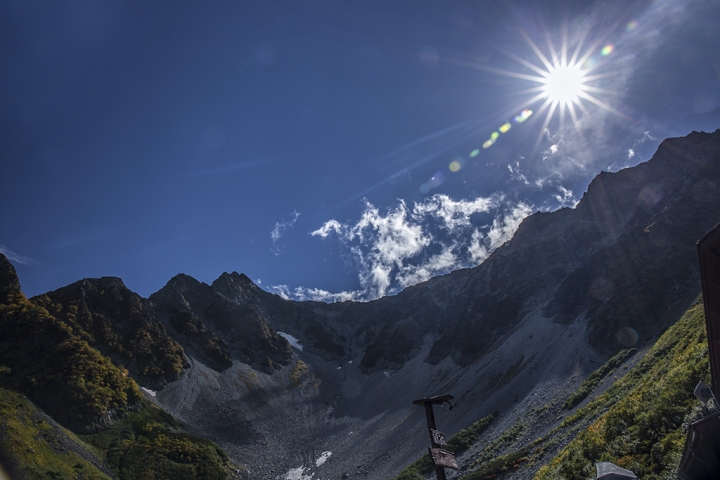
(439, 471)
(440, 458)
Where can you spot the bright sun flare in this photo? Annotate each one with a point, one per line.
(566, 80)
(563, 84)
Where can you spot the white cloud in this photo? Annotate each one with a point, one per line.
(504, 228)
(516, 174)
(454, 213)
(280, 229)
(414, 274)
(552, 150)
(477, 249)
(631, 153)
(302, 294)
(14, 257)
(327, 228)
(281, 290)
(406, 245)
(565, 198)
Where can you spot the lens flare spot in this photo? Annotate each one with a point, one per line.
(607, 50)
(494, 136)
(505, 127)
(631, 26)
(488, 143)
(627, 337)
(437, 179)
(524, 115)
(456, 164)
(475, 153)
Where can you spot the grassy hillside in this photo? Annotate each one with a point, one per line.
(648, 410)
(36, 448)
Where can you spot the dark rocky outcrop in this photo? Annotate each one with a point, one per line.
(54, 365)
(220, 328)
(118, 322)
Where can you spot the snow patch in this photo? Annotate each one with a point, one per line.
(298, 474)
(151, 392)
(387, 374)
(323, 458)
(294, 342)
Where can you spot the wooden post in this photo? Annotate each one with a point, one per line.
(437, 439)
(439, 471)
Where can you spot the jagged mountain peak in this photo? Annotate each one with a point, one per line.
(236, 287)
(9, 283)
(182, 281)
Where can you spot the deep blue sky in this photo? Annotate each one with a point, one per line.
(145, 139)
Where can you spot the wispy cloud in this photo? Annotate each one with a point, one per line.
(302, 294)
(14, 257)
(406, 245)
(280, 228)
(565, 197)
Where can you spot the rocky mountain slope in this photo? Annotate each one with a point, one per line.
(524, 328)
(65, 352)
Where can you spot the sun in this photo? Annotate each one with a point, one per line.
(567, 80)
(563, 84)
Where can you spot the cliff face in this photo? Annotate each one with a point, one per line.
(220, 328)
(118, 322)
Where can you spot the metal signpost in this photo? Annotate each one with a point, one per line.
(441, 458)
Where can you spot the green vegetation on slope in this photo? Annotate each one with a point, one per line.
(457, 444)
(641, 428)
(114, 320)
(38, 450)
(148, 444)
(587, 386)
(59, 371)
